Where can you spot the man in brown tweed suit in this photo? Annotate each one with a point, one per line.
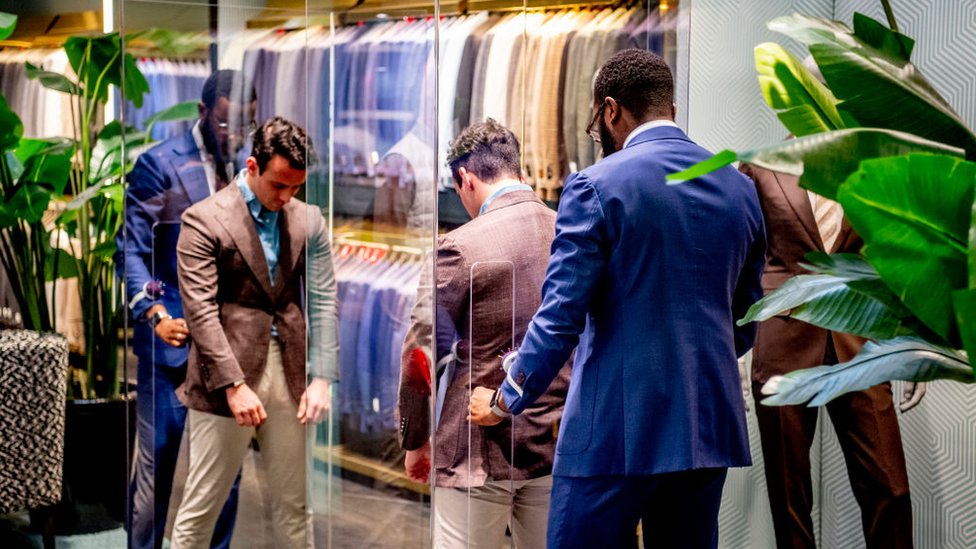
(489, 281)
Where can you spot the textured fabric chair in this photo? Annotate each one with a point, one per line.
(33, 375)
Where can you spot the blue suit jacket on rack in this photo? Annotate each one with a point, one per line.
(166, 180)
(654, 277)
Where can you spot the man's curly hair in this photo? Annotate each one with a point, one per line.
(639, 81)
(284, 138)
(486, 149)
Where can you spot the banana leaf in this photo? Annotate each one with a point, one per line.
(8, 22)
(802, 103)
(823, 161)
(914, 215)
(11, 127)
(905, 358)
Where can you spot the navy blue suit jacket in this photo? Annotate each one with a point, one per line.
(166, 180)
(654, 277)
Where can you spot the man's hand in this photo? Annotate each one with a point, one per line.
(912, 395)
(417, 464)
(246, 406)
(745, 380)
(173, 331)
(316, 401)
(479, 411)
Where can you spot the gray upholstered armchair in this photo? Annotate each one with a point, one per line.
(33, 374)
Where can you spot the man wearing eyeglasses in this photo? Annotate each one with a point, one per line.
(165, 181)
(648, 279)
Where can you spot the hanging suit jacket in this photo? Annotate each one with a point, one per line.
(489, 278)
(792, 232)
(654, 277)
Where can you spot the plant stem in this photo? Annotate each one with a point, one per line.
(890, 15)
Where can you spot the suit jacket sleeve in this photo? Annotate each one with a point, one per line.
(323, 317)
(748, 290)
(579, 257)
(196, 255)
(416, 364)
(145, 198)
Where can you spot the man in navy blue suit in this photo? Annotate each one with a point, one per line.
(165, 181)
(654, 277)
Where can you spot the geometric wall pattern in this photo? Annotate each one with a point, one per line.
(725, 110)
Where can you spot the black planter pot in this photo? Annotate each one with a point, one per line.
(98, 441)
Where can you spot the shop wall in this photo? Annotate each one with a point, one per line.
(938, 435)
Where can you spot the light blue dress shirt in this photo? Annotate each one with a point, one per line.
(266, 223)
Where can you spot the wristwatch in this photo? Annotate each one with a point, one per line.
(495, 408)
(157, 317)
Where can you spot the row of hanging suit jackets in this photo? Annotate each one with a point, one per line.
(532, 72)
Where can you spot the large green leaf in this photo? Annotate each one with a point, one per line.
(67, 266)
(823, 161)
(913, 213)
(106, 159)
(8, 22)
(972, 248)
(52, 80)
(904, 358)
(877, 88)
(11, 127)
(28, 203)
(802, 103)
(99, 60)
(46, 161)
(878, 36)
(187, 110)
(964, 302)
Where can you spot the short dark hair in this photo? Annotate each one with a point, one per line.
(486, 149)
(639, 81)
(219, 84)
(284, 138)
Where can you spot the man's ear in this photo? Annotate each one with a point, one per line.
(252, 165)
(467, 183)
(613, 110)
(202, 110)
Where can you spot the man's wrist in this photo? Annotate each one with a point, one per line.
(235, 385)
(498, 405)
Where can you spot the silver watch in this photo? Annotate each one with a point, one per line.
(495, 408)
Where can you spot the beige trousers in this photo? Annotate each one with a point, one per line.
(476, 518)
(218, 446)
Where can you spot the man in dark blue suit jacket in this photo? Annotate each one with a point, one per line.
(165, 181)
(654, 277)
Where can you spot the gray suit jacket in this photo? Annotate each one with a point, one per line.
(230, 302)
(489, 285)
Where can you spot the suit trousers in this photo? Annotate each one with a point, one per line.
(476, 518)
(218, 446)
(677, 510)
(160, 419)
(867, 428)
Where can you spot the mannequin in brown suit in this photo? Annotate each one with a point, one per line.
(865, 421)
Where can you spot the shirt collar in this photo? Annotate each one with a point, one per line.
(647, 126)
(499, 192)
(258, 211)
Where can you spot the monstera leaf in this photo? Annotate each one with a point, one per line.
(802, 103)
(823, 161)
(905, 358)
(915, 213)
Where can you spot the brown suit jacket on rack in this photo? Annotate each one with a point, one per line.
(865, 421)
(230, 302)
(489, 285)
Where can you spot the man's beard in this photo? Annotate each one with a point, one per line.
(210, 141)
(606, 140)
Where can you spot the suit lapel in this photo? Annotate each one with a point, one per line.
(293, 234)
(189, 170)
(800, 202)
(236, 218)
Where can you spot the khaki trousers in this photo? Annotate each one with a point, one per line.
(476, 518)
(218, 446)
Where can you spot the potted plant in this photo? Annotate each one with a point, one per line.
(879, 139)
(84, 175)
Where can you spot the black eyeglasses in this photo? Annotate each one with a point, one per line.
(592, 129)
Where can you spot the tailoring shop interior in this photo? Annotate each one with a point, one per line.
(382, 87)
